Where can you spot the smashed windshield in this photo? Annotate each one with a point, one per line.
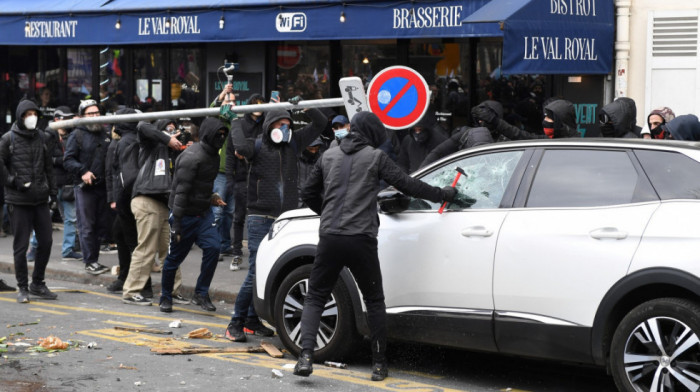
(487, 177)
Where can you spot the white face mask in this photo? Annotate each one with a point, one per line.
(30, 122)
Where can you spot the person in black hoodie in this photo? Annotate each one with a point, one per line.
(559, 121)
(617, 119)
(29, 181)
(84, 159)
(684, 127)
(343, 188)
(272, 190)
(250, 125)
(191, 217)
(415, 147)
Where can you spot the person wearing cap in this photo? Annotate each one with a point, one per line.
(84, 159)
(656, 120)
(341, 127)
(250, 125)
(29, 182)
(272, 190)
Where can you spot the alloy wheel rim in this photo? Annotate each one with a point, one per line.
(663, 354)
(291, 314)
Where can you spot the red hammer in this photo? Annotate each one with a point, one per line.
(454, 183)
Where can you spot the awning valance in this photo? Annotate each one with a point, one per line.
(552, 37)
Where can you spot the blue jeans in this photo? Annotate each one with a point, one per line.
(198, 230)
(258, 227)
(67, 209)
(223, 216)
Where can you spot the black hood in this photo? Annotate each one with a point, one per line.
(564, 116)
(125, 127)
(495, 106)
(427, 130)
(163, 123)
(632, 107)
(621, 115)
(270, 118)
(365, 129)
(253, 98)
(21, 109)
(208, 132)
(684, 127)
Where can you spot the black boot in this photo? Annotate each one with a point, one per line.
(5, 287)
(380, 371)
(305, 364)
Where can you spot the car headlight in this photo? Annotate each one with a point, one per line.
(277, 227)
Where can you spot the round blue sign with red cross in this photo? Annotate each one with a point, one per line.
(398, 96)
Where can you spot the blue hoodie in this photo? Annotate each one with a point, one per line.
(685, 127)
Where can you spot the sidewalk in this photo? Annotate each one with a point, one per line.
(224, 286)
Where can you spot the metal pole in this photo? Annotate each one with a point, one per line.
(263, 107)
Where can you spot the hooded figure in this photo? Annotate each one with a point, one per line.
(422, 139)
(559, 121)
(657, 129)
(684, 127)
(632, 106)
(342, 188)
(563, 114)
(617, 120)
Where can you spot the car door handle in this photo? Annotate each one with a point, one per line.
(608, 232)
(476, 231)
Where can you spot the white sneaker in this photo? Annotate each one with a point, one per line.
(236, 263)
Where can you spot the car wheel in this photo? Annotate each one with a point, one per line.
(336, 335)
(656, 347)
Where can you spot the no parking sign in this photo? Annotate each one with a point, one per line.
(398, 96)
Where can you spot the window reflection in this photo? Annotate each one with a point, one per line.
(79, 76)
(186, 78)
(112, 81)
(149, 73)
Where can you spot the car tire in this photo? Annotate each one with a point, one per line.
(656, 347)
(337, 332)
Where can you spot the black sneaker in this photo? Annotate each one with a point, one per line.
(72, 256)
(234, 331)
(23, 296)
(236, 263)
(108, 249)
(305, 364)
(42, 291)
(253, 326)
(116, 287)
(137, 300)
(380, 371)
(5, 287)
(179, 299)
(95, 268)
(166, 305)
(203, 301)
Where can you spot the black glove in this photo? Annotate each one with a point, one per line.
(486, 115)
(176, 231)
(448, 194)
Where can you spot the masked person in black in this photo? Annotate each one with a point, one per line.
(655, 123)
(272, 190)
(617, 119)
(684, 127)
(84, 159)
(421, 140)
(29, 181)
(191, 217)
(307, 160)
(559, 122)
(343, 188)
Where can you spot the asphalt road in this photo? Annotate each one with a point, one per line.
(102, 358)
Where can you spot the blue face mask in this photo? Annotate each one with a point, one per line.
(341, 133)
(283, 134)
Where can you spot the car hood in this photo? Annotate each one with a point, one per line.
(300, 213)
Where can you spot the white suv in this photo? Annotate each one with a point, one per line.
(584, 250)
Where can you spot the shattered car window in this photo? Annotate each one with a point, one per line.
(487, 177)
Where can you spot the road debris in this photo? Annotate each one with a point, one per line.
(338, 365)
(121, 366)
(92, 345)
(200, 333)
(277, 374)
(23, 324)
(271, 350)
(204, 350)
(53, 343)
(175, 324)
(147, 330)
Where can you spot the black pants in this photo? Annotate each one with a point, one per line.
(24, 219)
(126, 237)
(239, 213)
(359, 254)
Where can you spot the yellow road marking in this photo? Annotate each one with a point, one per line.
(124, 323)
(124, 314)
(262, 360)
(421, 374)
(49, 311)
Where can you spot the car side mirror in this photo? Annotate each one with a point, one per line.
(392, 201)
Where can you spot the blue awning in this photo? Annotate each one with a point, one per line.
(552, 37)
(252, 20)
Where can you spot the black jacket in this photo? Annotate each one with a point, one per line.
(120, 164)
(26, 159)
(413, 151)
(464, 138)
(87, 151)
(154, 178)
(237, 169)
(622, 116)
(195, 171)
(343, 185)
(273, 175)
